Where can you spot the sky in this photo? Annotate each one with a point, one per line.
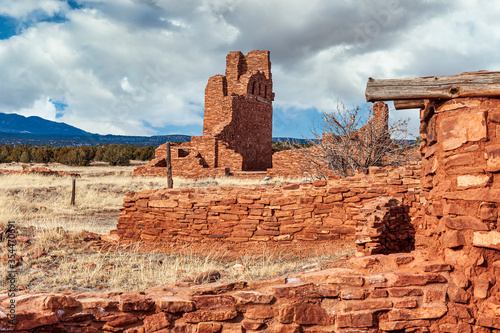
(140, 67)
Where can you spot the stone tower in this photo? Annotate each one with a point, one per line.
(237, 126)
(239, 113)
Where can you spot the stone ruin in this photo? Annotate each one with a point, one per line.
(428, 239)
(237, 128)
(237, 125)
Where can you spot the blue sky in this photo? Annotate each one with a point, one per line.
(139, 67)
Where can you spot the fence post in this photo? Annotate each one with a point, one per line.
(73, 191)
(170, 181)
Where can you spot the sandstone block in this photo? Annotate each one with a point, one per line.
(457, 130)
(471, 181)
(464, 223)
(356, 281)
(402, 258)
(122, 320)
(305, 290)
(488, 321)
(319, 183)
(459, 160)
(379, 293)
(406, 304)
(436, 267)
(492, 154)
(435, 296)
(293, 328)
(416, 314)
(453, 239)
(459, 311)
(403, 325)
(494, 116)
(135, 302)
(489, 239)
(353, 294)
(355, 320)
(92, 303)
(481, 287)
(455, 328)
(404, 292)
(286, 313)
(252, 297)
(380, 304)
(29, 320)
(163, 204)
(311, 314)
(209, 327)
(488, 211)
(210, 315)
(252, 325)
(175, 304)
(260, 312)
(407, 279)
(156, 322)
(213, 302)
(457, 295)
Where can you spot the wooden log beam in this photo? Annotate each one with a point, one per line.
(409, 104)
(470, 84)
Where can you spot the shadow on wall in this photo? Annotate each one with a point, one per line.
(385, 227)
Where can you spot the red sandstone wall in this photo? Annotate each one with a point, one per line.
(335, 300)
(461, 193)
(296, 163)
(238, 112)
(318, 211)
(250, 134)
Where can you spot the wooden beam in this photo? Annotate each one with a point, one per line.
(471, 84)
(409, 104)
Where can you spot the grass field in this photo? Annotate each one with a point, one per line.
(40, 207)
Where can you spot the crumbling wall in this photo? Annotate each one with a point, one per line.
(237, 124)
(461, 189)
(384, 227)
(334, 300)
(322, 210)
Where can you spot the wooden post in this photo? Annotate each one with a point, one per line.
(73, 191)
(170, 181)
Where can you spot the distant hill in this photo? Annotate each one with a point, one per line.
(19, 130)
(14, 123)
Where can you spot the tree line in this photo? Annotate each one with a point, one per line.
(114, 154)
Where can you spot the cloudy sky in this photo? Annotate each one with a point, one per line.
(139, 67)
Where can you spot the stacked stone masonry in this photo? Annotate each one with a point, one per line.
(237, 124)
(322, 210)
(384, 226)
(461, 197)
(334, 300)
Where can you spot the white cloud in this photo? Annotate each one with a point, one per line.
(123, 64)
(21, 9)
(41, 107)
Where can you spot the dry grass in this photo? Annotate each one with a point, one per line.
(40, 204)
(30, 199)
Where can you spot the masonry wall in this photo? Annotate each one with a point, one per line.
(237, 123)
(461, 193)
(334, 300)
(322, 210)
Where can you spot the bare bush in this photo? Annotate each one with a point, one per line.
(345, 144)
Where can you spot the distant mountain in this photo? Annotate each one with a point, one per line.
(19, 130)
(14, 123)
